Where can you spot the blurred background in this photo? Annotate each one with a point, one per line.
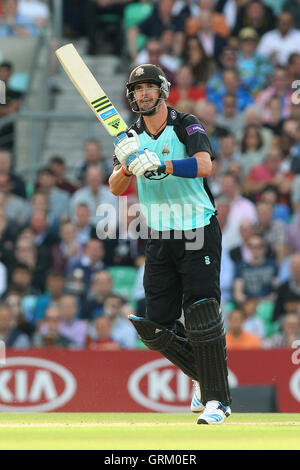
(235, 64)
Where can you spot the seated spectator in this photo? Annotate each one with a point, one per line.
(123, 331)
(14, 23)
(266, 173)
(220, 26)
(153, 53)
(258, 277)
(36, 10)
(7, 238)
(253, 149)
(255, 15)
(293, 7)
(253, 68)
(206, 112)
(271, 195)
(67, 248)
(103, 336)
(288, 335)
(59, 200)
(279, 87)
(194, 55)
(237, 337)
(17, 184)
(240, 209)
(101, 287)
(288, 293)
(184, 88)
(71, 327)
(21, 280)
(230, 119)
(15, 301)
(95, 194)
(227, 61)
(293, 66)
(9, 332)
(273, 231)
(281, 42)
(44, 237)
(82, 221)
(275, 120)
(90, 262)
(55, 285)
(16, 208)
(228, 152)
(232, 86)
(212, 42)
(162, 24)
(93, 155)
(226, 276)
(58, 167)
(293, 230)
(242, 252)
(253, 323)
(48, 334)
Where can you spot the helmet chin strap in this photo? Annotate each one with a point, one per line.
(151, 111)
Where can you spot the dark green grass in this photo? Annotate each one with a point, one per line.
(154, 431)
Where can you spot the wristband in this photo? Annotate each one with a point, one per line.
(185, 168)
(124, 172)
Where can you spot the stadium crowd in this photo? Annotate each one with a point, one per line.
(235, 64)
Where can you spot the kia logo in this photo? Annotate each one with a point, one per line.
(160, 386)
(34, 384)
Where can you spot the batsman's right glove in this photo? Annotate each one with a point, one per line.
(126, 144)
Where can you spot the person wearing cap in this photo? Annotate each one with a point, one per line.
(170, 155)
(253, 68)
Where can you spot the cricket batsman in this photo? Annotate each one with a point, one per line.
(171, 157)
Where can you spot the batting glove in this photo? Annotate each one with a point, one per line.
(126, 144)
(143, 162)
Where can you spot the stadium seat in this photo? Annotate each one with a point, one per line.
(134, 14)
(124, 278)
(265, 312)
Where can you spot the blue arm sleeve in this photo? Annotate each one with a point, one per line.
(185, 168)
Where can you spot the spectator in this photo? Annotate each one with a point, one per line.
(17, 210)
(288, 293)
(271, 195)
(37, 11)
(240, 209)
(16, 182)
(71, 327)
(227, 61)
(232, 86)
(122, 331)
(14, 300)
(14, 23)
(49, 334)
(206, 112)
(266, 173)
(67, 248)
(255, 15)
(289, 334)
(93, 155)
(226, 276)
(9, 332)
(44, 238)
(253, 68)
(184, 88)
(293, 7)
(228, 152)
(21, 280)
(293, 67)
(253, 323)
(95, 194)
(82, 221)
(275, 120)
(59, 200)
(253, 148)
(57, 165)
(7, 238)
(55, 284)
(90, 262)
(281, 42)
(220, 26)
(279, 87)
(293, 230)
(103, 336)
(162, 24)
(242, 252)
(230, 119)
(237, 337)
(212, 42)
(101, 287)
(194, 55)
(257, 278)
(153, 53)
(273, 231)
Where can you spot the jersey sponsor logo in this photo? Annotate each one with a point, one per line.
(193, 128)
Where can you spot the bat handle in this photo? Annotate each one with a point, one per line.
(148, 174)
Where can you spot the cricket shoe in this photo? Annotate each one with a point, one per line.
(196, 403)
(215, 413)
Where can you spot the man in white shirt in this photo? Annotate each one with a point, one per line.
(280, 43)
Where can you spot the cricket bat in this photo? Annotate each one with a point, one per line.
(90, 90)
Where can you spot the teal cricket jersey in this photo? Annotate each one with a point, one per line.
(171, 202)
